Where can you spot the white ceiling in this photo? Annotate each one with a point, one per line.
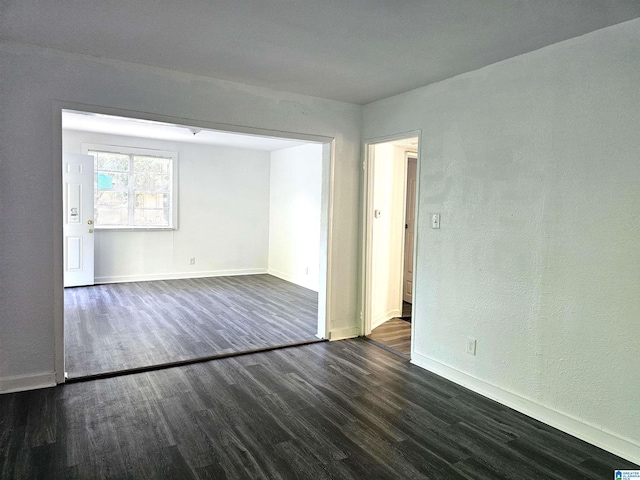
(89, 122)
(408, 143)
(351, 50)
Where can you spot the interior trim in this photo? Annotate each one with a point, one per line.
(618, 446)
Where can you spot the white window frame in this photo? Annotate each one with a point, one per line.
(173, 204)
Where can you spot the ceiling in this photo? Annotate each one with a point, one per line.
(356, 51)
(130, 127)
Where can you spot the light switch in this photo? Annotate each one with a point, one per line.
(435, 220)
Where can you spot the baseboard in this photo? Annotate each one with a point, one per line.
(298, 280)
(178, 275)
(21, 383)
(607, 441)
(380, 319)
(344, 333)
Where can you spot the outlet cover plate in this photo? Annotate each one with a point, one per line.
(471, 346)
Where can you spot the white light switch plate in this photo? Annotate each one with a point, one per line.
(435, 220)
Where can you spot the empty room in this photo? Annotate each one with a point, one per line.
(196, 244)
(520, 248)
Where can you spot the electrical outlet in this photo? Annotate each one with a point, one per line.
(471, 346)
(192, 261)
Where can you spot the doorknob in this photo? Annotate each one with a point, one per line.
(90, 230)
(89, 222)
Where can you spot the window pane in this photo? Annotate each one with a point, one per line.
(161, 182)
(151, 174)
(138, 184)
(112, 216)
(112, 199)
(141, 181)
(115, 162)
(112, 181)
(151, 164)
(151, 217)
(152, 200)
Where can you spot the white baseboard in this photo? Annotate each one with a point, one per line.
(344, 333)
(302, 281)
(607, 441)
(380, 319)
(178, 275)
(21, 383)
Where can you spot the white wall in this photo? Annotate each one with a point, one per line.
(387, 233)
(294, 215)
(533, 164)
(223, 215)
(33, 82)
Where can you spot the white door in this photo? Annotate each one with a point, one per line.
(77, 194)
(410, 218)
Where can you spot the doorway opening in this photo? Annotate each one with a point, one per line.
(391, 180)
(242, 215)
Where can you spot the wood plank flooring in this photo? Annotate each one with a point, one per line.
(395, 334)
(342, 410)
(130, 325)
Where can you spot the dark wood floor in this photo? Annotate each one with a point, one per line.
(130, 325)
(343, 410)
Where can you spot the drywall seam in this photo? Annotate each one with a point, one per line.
(593, 435)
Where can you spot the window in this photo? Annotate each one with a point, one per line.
(134, 188)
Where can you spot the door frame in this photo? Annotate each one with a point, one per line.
(367, 225)
(407, 157)
(326, 225)
(86, 197)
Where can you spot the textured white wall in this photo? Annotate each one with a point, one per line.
(387, 233)
(534, 165)
(31, 83)
(223, 215)
(294, 214)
